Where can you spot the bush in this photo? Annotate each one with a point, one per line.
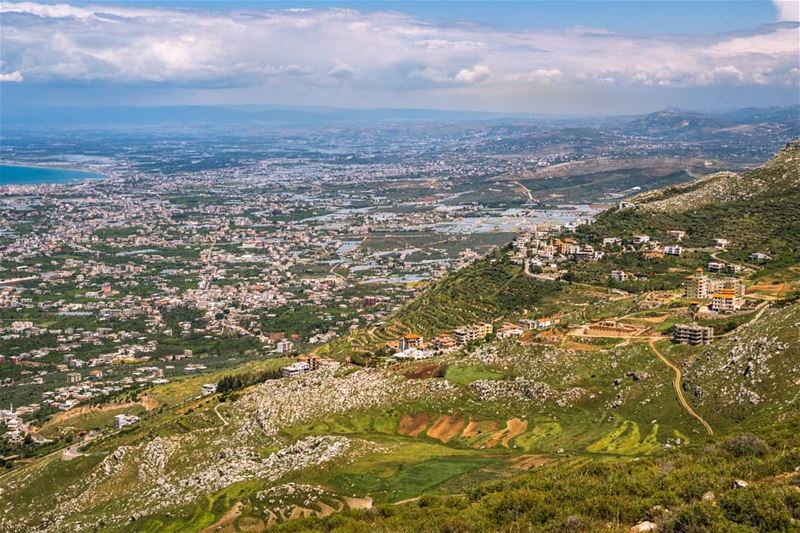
(761, 508)
(698, 517)
(746, 446)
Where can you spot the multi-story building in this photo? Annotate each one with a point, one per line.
(619, 275)
(444, 342)
(692, 334)
(466, 334)
(696, 286)
(701, 286)
(726, 301)
(410, 340)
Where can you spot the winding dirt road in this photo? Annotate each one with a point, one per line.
(677, 385)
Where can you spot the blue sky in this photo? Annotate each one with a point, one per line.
(588, 57)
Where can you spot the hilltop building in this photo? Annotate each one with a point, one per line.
(303, 365)
(726, 301)
(692, 334)
(700, 286)
(466, 334)
(410, 340)
(444, 342)
(122, 420)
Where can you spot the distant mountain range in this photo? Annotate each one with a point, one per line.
(666, 122)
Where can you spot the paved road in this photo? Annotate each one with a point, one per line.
(677, 385)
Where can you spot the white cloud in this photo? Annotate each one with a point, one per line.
(475, 74)
(377, 52)
(15, 76)
(788, 9)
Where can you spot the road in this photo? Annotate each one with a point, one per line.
(744, 266)
(527, 191)
(224, 422)
(677, 385)
(760, 308)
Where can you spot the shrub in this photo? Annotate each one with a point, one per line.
(746, 445)
(698, 517)
(761, 508)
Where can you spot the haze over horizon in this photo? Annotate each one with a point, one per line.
(595, 58)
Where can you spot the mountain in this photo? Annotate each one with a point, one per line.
(566, 431)
(757, 211)
(679, 124)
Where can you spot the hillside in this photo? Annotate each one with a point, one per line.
(756, 211)
(597, 425)
(490, 288)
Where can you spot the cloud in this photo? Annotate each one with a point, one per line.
(377, 52)
(15, 76)
(788, 9)
(475, 74)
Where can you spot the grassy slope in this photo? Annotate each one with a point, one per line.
(594, 485)
(757, 211)
(490, 288)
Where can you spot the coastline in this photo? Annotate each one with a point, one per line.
(58, 174)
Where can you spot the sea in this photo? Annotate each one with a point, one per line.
(32, 175)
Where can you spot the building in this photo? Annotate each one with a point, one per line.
(722, 243)
(700, 286)
(120, 421)
(620, 275)
(673, 250)
(716, 266)
(209, 388)
(758, 256)
(726, 301)
(641, 239)
(467, 334)
(73, 377)
(444, 342)
(692, 334)
(303, 365)
(295, 369)
(410, 340)
(678, 235)
(696, 286)
(413, 354)
(508, 330)
(284, 346)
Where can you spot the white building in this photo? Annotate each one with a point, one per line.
(284, 346)
(122, 420)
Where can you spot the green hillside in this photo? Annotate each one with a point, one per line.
(490, 288)
(755, 211)
(581, 430)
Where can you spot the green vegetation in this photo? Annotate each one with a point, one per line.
(692, 490)
(464, 375)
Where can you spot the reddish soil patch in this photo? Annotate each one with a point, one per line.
(324, 509)
(300, 512)
(514, 427)
(250, 523)
(426, 371)
(358, 503)
(413, 426)
(225, 523)
(446, 427)
(479, 428)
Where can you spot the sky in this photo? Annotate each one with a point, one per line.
(566, 57)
